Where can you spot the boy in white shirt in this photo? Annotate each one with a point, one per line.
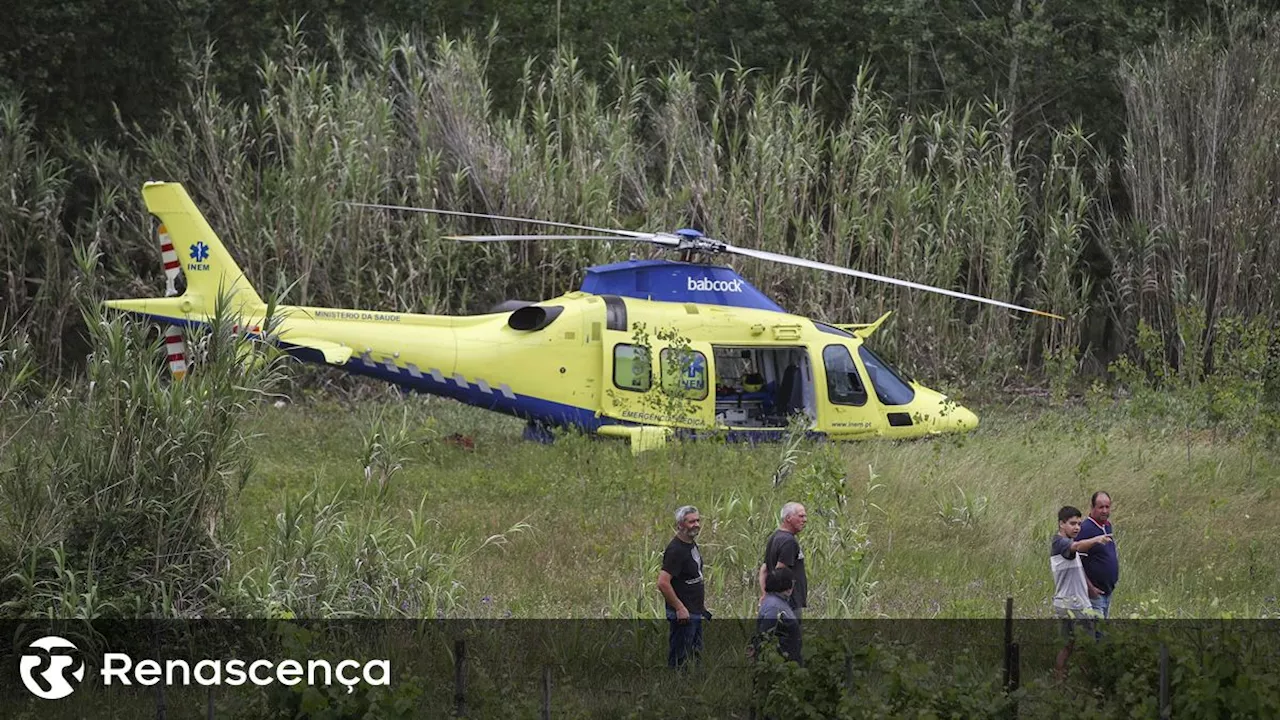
(1070, 589)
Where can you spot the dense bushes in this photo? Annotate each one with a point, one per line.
(840, 680)
(115, 491)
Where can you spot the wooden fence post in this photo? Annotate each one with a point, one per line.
(460, 677)
(1012, 657)
(1012, 669)
(1015, 679)
(1008, 641)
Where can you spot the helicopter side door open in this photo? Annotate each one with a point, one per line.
(762, 387)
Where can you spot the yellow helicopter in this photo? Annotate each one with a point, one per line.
(643, 350)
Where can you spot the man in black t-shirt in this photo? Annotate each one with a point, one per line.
(682, 587)
(783, 550)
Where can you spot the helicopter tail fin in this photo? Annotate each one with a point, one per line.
(204, 260)
(198, 253)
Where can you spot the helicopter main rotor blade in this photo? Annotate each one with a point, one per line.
(511, 238)
(765, 255)
(437, 211)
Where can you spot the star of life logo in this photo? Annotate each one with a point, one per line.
(199, 251)
(733, 286)
(50, 663)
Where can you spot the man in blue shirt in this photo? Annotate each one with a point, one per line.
(1101, 564)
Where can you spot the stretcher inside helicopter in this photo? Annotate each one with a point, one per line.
(762, 387)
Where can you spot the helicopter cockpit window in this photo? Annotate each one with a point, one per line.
(684, 374)
(632, 369)
(844, 385)
(891, 387)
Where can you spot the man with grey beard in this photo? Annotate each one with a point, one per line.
(681, 584)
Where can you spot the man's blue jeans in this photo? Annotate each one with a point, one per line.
(686, 639)
(1102, 604)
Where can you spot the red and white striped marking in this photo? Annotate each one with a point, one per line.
(176, 352)
(175, 349)
(169, 259)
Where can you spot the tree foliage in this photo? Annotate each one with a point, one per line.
(77, 62)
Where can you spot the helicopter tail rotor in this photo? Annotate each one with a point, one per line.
(174, 347)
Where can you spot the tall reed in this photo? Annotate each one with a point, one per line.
(35, 275)
(942, 197)
(1202, 167)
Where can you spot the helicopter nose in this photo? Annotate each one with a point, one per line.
(957, 419)
(940, 414)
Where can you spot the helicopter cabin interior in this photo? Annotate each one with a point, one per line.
(761, 387)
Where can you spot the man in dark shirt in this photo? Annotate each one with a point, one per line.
(682, 587)
(783, 550)
(1101, 564)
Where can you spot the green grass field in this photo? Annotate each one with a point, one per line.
(942, 528)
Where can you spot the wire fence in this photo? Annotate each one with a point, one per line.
(619, 668)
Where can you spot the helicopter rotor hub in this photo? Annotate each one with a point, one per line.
(692, 241)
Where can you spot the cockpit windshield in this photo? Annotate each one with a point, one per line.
(891, 386)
